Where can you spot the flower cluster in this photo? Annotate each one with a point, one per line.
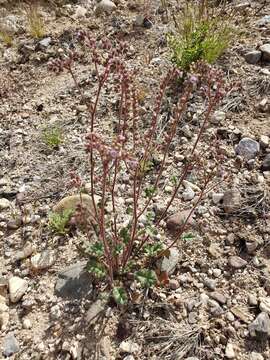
(110, 153)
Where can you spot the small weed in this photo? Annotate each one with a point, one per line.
(58, 222)
(199, 36)
(52, 137)
(35, 21)
(125, 246)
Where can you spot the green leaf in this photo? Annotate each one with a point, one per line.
(58, 222)
(125, 234)
(147, 278)
(174, 180)
(118, 249)
(153, 249)
(97, 249)
(129, 210)
(96, 268)
(188, 236)
(119, 296)
(149, 191)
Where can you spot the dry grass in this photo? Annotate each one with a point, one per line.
(35, 21)
(6, 37)
(168, 339)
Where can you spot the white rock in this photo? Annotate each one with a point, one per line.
(217, 197)
(229, 351)
(188, 194)
(256, 356)
(264, 141)
(216, 273)
(105, 6)
(43, 260)
(4, 314)
(26, 324)
(265, 49)
(80, 12)
(4, 204)
(218, 117)
(188, 184)
(265, 304)
(129, 347)
(17, 288)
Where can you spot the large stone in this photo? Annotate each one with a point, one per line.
(44, 260)
(260, 327)
(265, 49)
(106, 6)
(236, 262)
(247, 148)
(229, 351)
(27, 250)
(265, 304)
(253, 57)
(17, 288)
(74, 282)
(175, 221)
(256, 356)
(4, 204)
(10, 345)
(73, 201)
(266, 163)
(168, 264)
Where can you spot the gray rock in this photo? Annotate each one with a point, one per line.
(266, 163)
(253, 57)
(247, 148)
(265, 49)
(192, 358)
(27, 250)
(169, 264)
(236, 262)
(210, 283)
(10, 345)
(219, 297)
(260, 327)
(95, 309)
(188, 194)
(74, 282)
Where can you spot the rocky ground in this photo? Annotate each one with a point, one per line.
(217, 302)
